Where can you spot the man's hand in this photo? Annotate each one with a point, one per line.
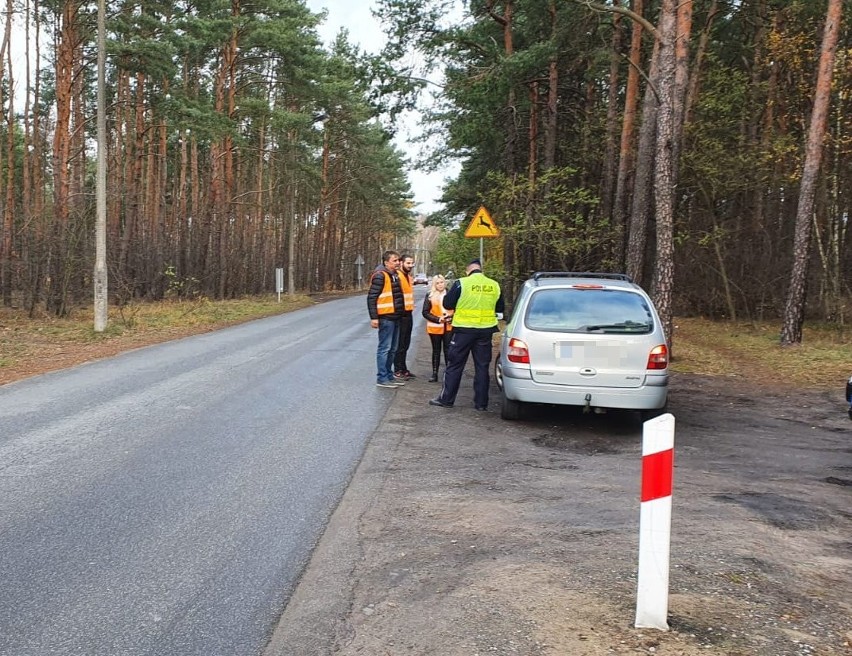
(374, 323)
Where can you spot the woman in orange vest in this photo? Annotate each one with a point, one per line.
(438, 320)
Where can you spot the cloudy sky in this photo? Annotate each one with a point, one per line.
(366, 31)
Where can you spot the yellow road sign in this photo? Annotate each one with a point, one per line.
(482, 225)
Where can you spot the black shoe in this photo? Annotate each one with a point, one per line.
(408, 374)
(481, 408)
(434, 378)
(440, 403)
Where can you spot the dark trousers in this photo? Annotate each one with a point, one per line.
(440, 343)
(464, 341)
(405, 324)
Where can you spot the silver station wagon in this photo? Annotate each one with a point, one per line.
(583, 339)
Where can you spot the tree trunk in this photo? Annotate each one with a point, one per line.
(642, 185)
(509, 260)
(625, 157)
(684, 31)
(551, 123)
(794, 309)
(700, 54)
(57, 298)
(9, 209)
(532, 148)
(664, 182)
(609, 163)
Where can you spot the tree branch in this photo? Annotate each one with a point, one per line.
(632, 15)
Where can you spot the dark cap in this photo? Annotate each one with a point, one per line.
(475, 262)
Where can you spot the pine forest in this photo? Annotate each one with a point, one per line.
(701, 146)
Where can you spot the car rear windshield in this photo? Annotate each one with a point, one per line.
(589, 311)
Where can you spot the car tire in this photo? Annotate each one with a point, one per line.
(498, 373)
(509, 409)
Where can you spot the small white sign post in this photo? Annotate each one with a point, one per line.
(652, 594)
(279, 282)
(359, 262)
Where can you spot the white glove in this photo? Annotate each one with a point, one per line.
(499, 316)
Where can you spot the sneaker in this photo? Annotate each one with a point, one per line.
(389, 384)
(440, 403)
(399, 375)
(408, 374)
(397, 383)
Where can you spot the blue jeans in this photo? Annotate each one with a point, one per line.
(388, 340)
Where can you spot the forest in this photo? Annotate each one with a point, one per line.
(701, 146)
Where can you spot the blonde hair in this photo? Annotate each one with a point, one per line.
(436, 278)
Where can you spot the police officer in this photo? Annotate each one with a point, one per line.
(477, 301)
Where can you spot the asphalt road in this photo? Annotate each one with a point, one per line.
(166, 500)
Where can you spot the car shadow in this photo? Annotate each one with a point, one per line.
(572, 429)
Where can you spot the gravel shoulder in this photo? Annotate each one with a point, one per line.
(462, 534)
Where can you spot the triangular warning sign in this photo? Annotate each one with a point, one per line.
(482, 225)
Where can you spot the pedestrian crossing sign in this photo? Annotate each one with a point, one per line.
(482, 225)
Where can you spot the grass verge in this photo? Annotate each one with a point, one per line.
(752, 352)
(748, 352)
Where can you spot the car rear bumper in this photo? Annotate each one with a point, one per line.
(519, 386)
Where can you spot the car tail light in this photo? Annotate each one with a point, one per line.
(518, 352)
(659, 357)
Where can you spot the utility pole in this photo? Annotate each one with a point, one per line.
(100, 273)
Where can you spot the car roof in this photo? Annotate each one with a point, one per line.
(570, 278)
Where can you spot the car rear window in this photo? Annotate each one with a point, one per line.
(606, 311)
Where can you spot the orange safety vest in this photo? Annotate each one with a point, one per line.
(407, 291)
(438, 310)
(384, 303)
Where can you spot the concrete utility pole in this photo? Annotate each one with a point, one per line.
(100, 274)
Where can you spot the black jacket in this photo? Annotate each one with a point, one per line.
(377, 284)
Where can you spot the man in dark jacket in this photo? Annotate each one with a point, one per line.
(406, 321)
(478, 303)
(386, 305)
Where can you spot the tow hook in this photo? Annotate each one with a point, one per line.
(588, 406)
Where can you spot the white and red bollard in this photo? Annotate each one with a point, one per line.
(655, 519)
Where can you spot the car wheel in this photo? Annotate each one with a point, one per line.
(498, 373)
(509, 409)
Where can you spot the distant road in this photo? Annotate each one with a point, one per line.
(163, 502)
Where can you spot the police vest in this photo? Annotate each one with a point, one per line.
(475, 308)
(438, 310)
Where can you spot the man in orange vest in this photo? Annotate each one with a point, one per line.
(406, 321)
(386, 304)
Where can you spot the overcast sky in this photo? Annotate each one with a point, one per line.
(366, 31)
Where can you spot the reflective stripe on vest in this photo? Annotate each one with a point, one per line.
(478, 299)
(407, 290)
(438, 310)
(384, 304)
